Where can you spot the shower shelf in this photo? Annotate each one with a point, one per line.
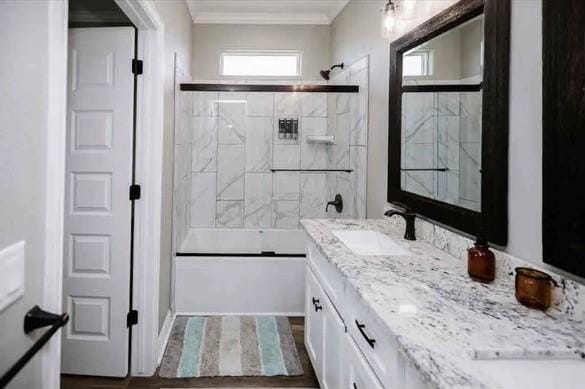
(314, 170)
(321, 139)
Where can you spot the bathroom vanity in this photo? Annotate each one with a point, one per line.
(384, 312)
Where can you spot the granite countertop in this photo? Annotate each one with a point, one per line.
(450, 321)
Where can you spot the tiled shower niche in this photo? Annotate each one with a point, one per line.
(243, 175)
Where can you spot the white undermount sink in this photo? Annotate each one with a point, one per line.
(367, 242)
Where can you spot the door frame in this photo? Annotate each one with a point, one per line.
(149, 154)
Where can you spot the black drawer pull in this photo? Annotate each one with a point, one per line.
(315, 301)
(361, 327)
(355, 386)
(318, 308)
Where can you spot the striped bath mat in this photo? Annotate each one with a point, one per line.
(230, 346)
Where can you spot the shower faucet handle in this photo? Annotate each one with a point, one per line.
(337, 203)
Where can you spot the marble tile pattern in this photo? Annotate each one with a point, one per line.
(258, 202)
(443, 130)
(230, 172)
(204, 148)
(313, 155)
(203, 198)
(230, 214)
(182, 157)
(232, 118)
(439, 333)
(348, 122)
(235, 145)
(312, 195)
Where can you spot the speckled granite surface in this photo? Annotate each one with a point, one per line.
(441, 319)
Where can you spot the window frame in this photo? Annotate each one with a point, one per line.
(427, 63)
(238, 52)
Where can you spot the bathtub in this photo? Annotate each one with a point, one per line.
(240, 272)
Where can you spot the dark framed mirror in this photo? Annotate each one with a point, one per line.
(448, 118)
(563, 160)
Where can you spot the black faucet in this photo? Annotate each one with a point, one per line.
(338, 204)
(409, 216)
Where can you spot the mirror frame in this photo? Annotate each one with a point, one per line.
(493, 218)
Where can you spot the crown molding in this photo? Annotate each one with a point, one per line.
(317, 18)
(259, 18)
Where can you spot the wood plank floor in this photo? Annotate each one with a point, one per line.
(307, 380)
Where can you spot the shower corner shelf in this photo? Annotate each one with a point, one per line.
(321, 139)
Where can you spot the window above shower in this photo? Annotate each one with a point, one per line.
(260, 63)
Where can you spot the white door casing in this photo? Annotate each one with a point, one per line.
(97, 234)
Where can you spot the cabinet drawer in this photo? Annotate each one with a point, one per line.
(380, 351)
(329, 277)
(359, 373)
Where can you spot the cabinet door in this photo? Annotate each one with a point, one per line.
(333, 352)
(359, 373)
(413, 379)
(314, 322)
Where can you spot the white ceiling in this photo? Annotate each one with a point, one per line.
(265, 11)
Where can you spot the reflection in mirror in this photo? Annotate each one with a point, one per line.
(442, 116)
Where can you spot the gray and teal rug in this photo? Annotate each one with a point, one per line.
(230, 346)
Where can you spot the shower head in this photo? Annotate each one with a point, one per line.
(325, 73)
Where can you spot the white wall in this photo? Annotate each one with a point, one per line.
(177, 23)
(23, 117)
(525, 174)
(210, 39)
(355, 32)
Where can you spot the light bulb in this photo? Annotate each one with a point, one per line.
(388, 19)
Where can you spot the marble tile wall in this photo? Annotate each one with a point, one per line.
(568, 297)
(443, 130)
(235, 145)
(348, 123)
(182, 155)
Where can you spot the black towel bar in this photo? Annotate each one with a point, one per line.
(35, 318)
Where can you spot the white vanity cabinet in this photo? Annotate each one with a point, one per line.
(324, 335)
(345, 341)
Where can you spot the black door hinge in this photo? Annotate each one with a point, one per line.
(134, 192)
(132, 318)
(137, 66)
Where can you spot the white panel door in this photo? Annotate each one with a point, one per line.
(96, 283)
(314, 322)
(333, 350)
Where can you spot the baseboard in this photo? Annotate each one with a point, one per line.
(287, 314)
(163, 337)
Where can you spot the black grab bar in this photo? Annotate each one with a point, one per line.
(35, 318)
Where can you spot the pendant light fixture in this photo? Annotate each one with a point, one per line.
(391, 14)
(388, 19)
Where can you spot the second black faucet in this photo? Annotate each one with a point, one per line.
(409, 217)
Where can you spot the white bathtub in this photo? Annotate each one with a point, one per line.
(240, 272)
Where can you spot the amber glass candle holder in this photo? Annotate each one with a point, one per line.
(481, 262)
(534, 288)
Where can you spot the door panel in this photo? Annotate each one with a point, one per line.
(359, 373)
(333, 351)
(314, 322)
(97, 209)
